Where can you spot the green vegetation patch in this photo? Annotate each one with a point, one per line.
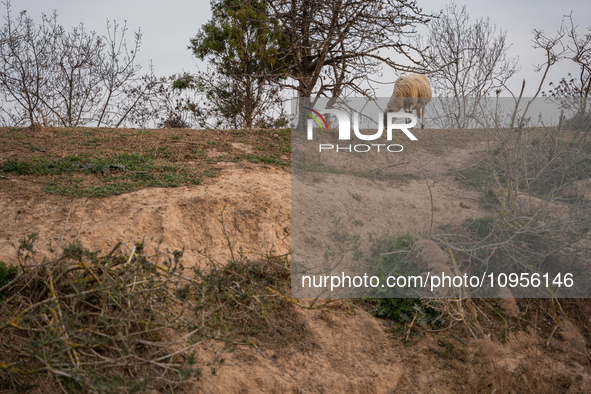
(66, 165)
(477, 176)
(481, 227)
(394, 255)
(273, 160)
(111, 189)
(120, 174)
(583, 169)
(7, 274)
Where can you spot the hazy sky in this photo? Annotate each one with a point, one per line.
(167, 27)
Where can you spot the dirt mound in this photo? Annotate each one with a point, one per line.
(248, 208)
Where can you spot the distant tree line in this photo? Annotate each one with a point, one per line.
(258, 53)
(54, 77)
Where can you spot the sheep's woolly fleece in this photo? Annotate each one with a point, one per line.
(411, 92)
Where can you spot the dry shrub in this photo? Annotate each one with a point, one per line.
(236, 299)
(127, 322)
(531, 227)
(174, 122)
(111, 323)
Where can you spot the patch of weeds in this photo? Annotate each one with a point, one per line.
(66, 165)
(92, 191)
(167, 179)
(210, 174)
(476, 176)
(393, 256)
(237, 301)
(145, 132)
(91, 142)
(405, 310)
(7, 274)
(481, 227)
(116, 185)
(446, 350)
(125, 173)
(583, 169)
(356, 196)
(176, 137)
(122, 162)
(411, 176)
(117, 178)
(35, 148)
(71, 164)
(399, 310)
(273, 160)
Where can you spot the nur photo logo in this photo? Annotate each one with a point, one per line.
(344, 122)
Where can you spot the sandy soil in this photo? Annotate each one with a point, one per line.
(249, 204)
(254, 201)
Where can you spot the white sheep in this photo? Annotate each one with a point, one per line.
(411, 92)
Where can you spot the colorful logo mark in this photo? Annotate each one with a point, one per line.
(315, 117)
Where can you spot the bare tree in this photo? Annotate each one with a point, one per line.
(335, 45)
(572, 94)
(118, 71)
(74, 87)
(579, 51)
(467, 61)
(25, 53)
(54, 77)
